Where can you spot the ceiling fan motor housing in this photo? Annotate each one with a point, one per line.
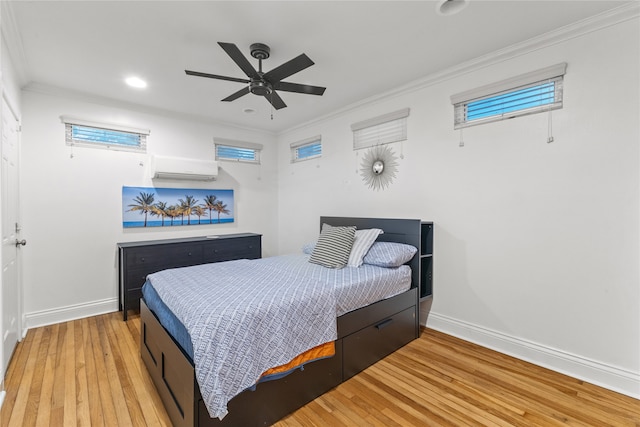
(260, 87)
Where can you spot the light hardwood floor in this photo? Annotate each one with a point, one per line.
(89, 372)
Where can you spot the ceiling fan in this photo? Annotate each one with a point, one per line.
(260, 83)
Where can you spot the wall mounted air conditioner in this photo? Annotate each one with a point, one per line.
(182, 168)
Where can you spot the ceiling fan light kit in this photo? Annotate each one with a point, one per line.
(261, 83)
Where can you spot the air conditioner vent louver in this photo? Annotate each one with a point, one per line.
(183, 169)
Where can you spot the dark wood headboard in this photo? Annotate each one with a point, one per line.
(395, 230)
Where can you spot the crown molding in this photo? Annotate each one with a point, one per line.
(13, 40)
(577, 29)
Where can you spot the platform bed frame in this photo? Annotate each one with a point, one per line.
(365, 336)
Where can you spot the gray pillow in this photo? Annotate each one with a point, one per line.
(333, 247)
(389, 254)
(308, 248)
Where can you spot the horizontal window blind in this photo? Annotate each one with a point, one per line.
(239, 151)
(385, 129)
(534, 96)
(527, 94)
(98, 135)
(235, 153)
(306, 149)
(106, 136)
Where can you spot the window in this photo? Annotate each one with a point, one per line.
(309, 148)
(391, 127)
(238, 151)
(101, 135)
(529, 93)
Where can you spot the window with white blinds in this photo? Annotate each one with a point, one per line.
(237, 151)
(529, 93)
(306, 149)
(385, 129)
(101, 135)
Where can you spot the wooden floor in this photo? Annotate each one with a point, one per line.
(88, 372)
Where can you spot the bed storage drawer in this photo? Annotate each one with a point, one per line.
(170, 370)
(365, 347)
(272, 400)
(366, 316)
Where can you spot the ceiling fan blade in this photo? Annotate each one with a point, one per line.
(237, 56)
(299, 88)
(215, 76)
(237, 94)
(275, 100)
(289, 68)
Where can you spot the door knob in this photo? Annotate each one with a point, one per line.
(20, 242)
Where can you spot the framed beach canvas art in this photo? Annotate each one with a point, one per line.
(172, 207)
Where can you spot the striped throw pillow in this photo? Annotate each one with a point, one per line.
(333, 247)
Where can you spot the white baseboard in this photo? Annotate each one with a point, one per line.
(71, 312)
(603, 375)
(2, 395)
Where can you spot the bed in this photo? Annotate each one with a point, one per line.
(361, 337)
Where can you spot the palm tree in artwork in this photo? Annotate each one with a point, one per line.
(143, 203)
(160, 209)
(199, 211)
(209, 203)
(173, 212)
(221, 208)
(187, 207)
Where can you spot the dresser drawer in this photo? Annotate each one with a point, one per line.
(365, 347)
(231, 249)
(167, 256)
(133, 298)
(135, 277)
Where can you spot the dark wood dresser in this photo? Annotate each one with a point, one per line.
(137, 259)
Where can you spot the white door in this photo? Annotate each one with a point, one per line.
(11, 297)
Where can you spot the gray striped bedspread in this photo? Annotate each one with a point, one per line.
(247, 316)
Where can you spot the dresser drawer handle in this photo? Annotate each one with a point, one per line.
(384, 324)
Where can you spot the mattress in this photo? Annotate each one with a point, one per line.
(355, 288)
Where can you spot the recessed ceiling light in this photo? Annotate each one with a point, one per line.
(450, 7)
(136, 82)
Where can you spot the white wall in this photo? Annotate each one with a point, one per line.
(72, 206)
(10, 85)
(536, 244)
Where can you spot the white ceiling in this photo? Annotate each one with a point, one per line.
(360, 48)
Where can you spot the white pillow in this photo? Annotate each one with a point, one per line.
(361, 244)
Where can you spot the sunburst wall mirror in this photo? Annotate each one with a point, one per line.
(379, 166)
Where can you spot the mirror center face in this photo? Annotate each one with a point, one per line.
(378, 167)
